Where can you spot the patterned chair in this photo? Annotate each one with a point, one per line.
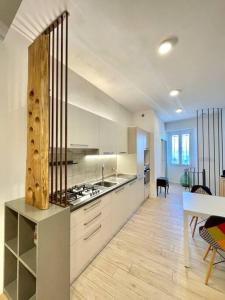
(213, 232)
(200, 189)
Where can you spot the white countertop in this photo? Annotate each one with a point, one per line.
(203, 204)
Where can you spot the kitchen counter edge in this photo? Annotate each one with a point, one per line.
(79, 205)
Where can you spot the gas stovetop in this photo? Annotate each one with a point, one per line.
(83, 192)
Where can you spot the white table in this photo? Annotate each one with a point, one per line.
(199, 205)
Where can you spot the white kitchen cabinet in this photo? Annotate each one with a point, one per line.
(121, 139)
(139, 190)
(119, 207)
(87, 130)
(90, 230)
(108, 136)
(146, 191)
(88, 246)
(93, 225)
(146, 140)
(136, 192)
(83, 128)
(125, 201)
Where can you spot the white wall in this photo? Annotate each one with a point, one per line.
(149, 121)
(13, 76)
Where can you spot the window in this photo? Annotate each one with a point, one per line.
(185, 153)
(180, 149)
(175, 149)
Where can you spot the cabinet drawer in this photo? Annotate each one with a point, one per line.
(88, 211)
(88, 223)
(87, 247)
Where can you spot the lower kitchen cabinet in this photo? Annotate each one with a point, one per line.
(90, 230)
(87, 247)
(119, 207)
(94, 225)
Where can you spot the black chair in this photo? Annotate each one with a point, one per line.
(200, 189)
(162, 182)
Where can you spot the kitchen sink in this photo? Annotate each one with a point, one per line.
(105, 183)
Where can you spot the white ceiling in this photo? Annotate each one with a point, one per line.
(7, 13)
(113, 43)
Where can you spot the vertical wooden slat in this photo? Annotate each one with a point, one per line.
(37, 129)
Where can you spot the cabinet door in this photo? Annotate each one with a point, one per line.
(119, 207)
(140, 191)
(87, 247)
(108, 140)
(83, 128)
(122, 139)
(136, 194)
(132, 196)
(140, 153)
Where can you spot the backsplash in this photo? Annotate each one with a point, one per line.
(88, 168)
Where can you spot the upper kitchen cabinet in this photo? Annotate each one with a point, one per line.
(122, 139)
(83, 128)
(107, 137)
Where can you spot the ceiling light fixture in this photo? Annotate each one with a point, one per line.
(179, 110)
(174, 93)
(167, 45)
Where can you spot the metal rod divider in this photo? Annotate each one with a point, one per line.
(209, 149)
(214, 151)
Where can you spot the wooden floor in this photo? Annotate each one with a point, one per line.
(145, 260)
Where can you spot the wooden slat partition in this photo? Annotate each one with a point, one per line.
(37, 193)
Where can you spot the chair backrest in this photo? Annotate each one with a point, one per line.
(214, 232)
(201, 189)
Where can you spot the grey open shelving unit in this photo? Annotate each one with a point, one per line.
(36, 252)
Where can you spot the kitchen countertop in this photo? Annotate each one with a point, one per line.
(120, 180)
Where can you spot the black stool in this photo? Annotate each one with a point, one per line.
(162, 182)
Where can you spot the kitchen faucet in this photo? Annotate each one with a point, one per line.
(103, 168)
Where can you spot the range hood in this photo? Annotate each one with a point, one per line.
(8, 9)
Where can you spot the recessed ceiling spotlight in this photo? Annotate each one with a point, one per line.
(174, 93)
(167, 45)
(179, 110)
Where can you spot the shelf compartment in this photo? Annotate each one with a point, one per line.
(26, 235)
(12, 244)
(29, 260)
(10, 275)
(27, 284)
(11, 229)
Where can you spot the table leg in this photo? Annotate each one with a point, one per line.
(186, 241)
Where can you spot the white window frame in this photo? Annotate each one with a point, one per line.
(180, 133)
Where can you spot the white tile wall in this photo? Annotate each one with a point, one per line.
(88, 168)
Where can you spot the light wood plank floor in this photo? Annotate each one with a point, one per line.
(145, 260)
